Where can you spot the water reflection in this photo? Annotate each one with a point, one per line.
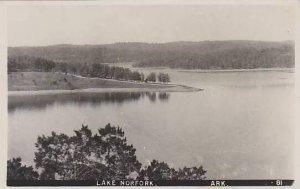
(163, 96)
(94, 99)
(151, 96)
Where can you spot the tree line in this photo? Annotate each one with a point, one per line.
(88, 156)
(244, 58)
(94, 70)
(41, 102)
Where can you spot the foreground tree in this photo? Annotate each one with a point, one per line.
(84, 156)
(105, 155)
(161, 171)
(17, 171)
(119, 157)
(52, 155)
(156, 171)
(193, 173)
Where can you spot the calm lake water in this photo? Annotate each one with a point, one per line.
(240, 127)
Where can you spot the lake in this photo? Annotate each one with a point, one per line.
(241, 126)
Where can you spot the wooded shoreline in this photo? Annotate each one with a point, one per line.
(24, 83)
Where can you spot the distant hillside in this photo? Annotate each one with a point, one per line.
(187, 55)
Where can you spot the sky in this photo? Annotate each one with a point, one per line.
(39, 25)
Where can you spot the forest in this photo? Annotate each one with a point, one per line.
(187, 55)
(94, 70)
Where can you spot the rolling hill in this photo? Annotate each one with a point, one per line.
(187, 55)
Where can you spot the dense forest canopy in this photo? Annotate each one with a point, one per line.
(188, 55)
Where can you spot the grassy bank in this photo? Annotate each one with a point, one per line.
(40, 81)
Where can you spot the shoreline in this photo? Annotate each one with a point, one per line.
(130, 65)
(102, 90)
(35, 83)
(236, 70)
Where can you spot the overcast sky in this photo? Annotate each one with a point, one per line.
(101, 24)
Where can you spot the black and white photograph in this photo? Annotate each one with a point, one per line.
(150, 94)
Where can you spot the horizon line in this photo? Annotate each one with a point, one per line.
(140, 42)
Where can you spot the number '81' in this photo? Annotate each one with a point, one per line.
(279, 182)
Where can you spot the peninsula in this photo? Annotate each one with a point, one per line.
(52, 81)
